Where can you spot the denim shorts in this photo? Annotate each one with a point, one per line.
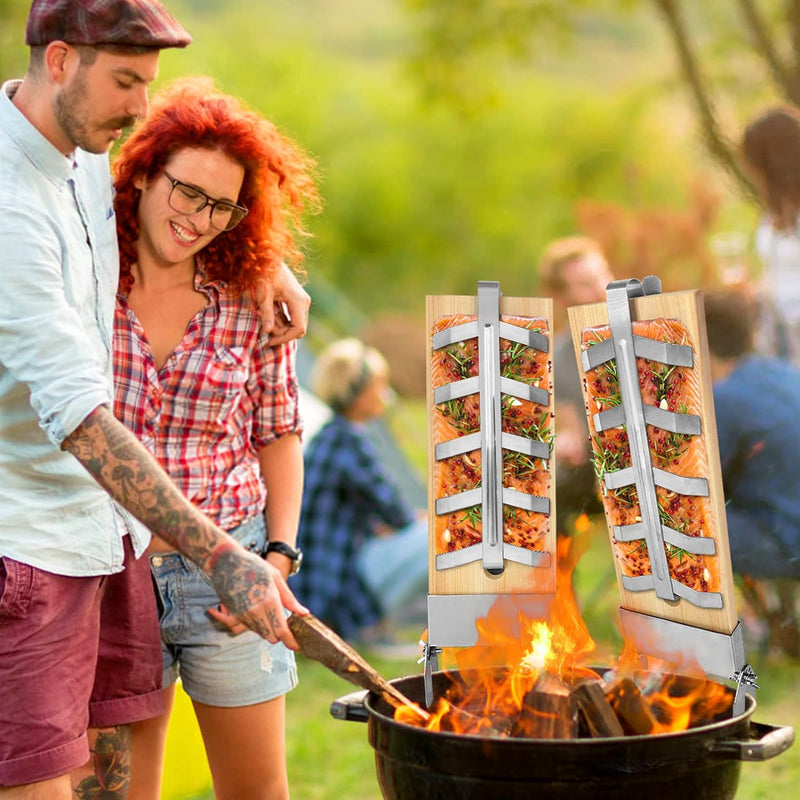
(216, 667)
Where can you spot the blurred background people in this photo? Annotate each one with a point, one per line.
(208, 193)
(756, 404)
(771, 151)
(573, 271)
(365, 550)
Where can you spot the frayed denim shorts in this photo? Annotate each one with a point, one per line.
(216, 667)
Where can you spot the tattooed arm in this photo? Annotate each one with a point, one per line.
(251, 588)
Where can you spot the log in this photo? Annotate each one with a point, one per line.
(596, 709)
(548, 711)
(630, 707)
(319, 642)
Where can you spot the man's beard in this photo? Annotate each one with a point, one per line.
(72, 113)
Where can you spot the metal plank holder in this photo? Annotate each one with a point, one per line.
(718, 654)
(452, 618)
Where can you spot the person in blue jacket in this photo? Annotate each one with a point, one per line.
(756, 400)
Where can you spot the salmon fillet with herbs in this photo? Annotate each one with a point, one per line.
(673, 388)
(461, 416)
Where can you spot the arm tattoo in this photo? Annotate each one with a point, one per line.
(243, 581)
(129, 473)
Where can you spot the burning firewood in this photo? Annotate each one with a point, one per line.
(548, 711)
(596, 709)
(631, 708)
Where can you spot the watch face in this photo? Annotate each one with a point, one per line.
(298, 560)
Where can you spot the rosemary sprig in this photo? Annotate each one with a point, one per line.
(541, 430)
(606, 460)
(673, 551)
(670, 521)
(661, 378)
(609, 400)
(518, 465)
(456, 411)
(515, 354)
(463, 359)
(472, 515)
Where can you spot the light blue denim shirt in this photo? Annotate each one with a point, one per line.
(59, 265)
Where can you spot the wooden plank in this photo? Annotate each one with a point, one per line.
(471, 578)
(686, 307)
(319, 642)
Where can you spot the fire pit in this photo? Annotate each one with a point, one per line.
(702, 763)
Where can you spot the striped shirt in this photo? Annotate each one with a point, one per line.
(222, 394)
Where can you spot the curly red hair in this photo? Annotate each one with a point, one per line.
(278, 183)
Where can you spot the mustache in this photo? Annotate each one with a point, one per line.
(122, 122)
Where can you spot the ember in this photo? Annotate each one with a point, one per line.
(546, 691)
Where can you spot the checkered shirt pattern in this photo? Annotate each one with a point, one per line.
(346, 494)
(222, 394)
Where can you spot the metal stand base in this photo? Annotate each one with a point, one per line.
(717, 654)
(453, 622)
(452, 618)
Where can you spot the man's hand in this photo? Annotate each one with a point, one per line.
(253, 593)
(283, 306)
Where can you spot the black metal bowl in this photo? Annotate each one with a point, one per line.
(702, 763)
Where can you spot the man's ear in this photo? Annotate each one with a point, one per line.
(58, 60)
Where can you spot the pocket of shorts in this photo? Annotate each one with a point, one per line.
(17, 584)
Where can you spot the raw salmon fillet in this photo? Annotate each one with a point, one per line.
(459, 417)
(674, 389)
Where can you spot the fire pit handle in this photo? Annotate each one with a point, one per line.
(766, 741)
(350, 707)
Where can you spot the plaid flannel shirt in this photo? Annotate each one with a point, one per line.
(346, 493)
(222, 394)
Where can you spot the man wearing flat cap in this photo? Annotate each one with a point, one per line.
(80, 654)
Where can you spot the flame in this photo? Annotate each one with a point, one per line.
(683, 701)
(524, 647)
(490, 691)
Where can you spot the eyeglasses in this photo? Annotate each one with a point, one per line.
(187, 199)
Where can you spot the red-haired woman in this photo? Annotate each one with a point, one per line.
(209, 205)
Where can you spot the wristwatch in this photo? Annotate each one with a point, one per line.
(287, 550)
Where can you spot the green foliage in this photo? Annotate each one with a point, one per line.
(13, 53)
(419, 199)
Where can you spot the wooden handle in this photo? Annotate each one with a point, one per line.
(319, 642)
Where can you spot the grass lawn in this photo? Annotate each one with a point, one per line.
(332, 760)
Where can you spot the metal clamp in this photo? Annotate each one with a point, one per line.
(624, 346)
(430, 657)
(491, 440)
(745, 684)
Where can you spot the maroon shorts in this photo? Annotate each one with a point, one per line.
(74, 653)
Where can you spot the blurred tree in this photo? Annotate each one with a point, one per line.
(715, 44)
(13, 53)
